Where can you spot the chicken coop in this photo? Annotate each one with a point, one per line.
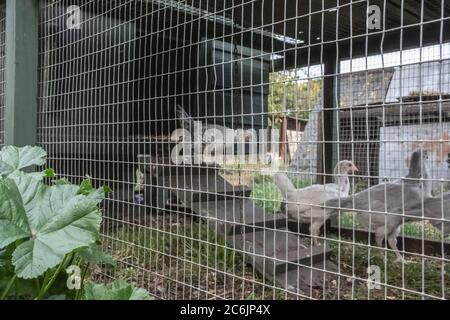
(182, 108)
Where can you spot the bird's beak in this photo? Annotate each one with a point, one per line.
(354, 168)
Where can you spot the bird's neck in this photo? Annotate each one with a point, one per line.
(420, 171)
(343, 183)
(428, 184)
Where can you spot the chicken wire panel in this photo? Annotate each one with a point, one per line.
(216, 124)
(2, 70)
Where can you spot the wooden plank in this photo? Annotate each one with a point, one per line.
(197, 184)
(230, 195)
(236, 216)
(278, 251)
(302, 279)
(191, 183)
(411, 244)
(202, 188)
(163, 166)
(188, 193)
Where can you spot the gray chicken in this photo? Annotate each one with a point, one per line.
(380, 207)
(437, 210)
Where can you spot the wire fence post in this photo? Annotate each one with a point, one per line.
(21, 74)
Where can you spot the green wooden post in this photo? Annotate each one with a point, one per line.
(329, 112)
(21, 71)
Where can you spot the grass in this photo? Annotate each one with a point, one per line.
(266, 193)
(171, 259)
(428, 276)
(421, 229)
(413, 229)
(184, 259)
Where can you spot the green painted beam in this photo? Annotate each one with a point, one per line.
(21, 71)
(329, 112)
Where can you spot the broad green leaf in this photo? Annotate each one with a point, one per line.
(95, 255)
(61, 181)
(3, 258)
(28, 185)
(22, 289)
(53, 222)
(14, 158)
(14, 223)
(118, 290)
(86, 186)
(98, 194)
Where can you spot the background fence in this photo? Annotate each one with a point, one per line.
(364, 84)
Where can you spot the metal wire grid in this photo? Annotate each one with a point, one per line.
(2, 69)
(108, 96)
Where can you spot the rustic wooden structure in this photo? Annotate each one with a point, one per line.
(360, 126)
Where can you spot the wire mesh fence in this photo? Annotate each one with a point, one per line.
(232, 132)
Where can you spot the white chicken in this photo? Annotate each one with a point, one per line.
(300, 202)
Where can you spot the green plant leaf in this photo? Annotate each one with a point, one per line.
(28, 185)
(14, 223)
(60, 181)
(52, 223)
(95, 255)
(107, 189)
(86, 186)
(14, 158)
(118, 290)
(49, 173)
(3, 258)
(22, 289)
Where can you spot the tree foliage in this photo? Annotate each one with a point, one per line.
(299, 97)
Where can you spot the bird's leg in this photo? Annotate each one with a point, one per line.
(393, 245)
(392, 240)
(379, 236)
(314, 230)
